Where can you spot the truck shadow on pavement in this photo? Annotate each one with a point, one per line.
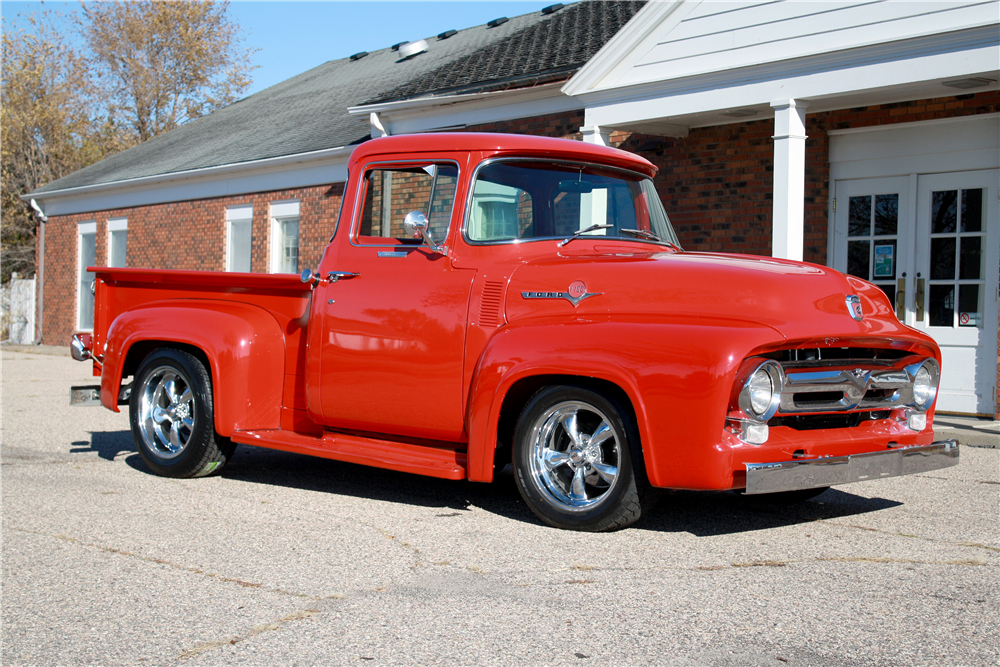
(700, 513)
(107, 444)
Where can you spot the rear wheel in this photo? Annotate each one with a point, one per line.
(172, 416)
(577, 461)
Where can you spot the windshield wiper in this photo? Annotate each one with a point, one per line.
(583, 231)
(646, 234)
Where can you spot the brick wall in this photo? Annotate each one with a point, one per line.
(187, 235)
(715, 185)
(716, 182)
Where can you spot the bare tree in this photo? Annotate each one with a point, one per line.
(148, 67)
(47, 127)
(164, 63)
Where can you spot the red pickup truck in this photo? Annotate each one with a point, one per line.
(488, 299)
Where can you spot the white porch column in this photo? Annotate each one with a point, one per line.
(377, 128)
(595, 134)
(789, 178)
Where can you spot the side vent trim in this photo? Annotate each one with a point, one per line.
(489, 305)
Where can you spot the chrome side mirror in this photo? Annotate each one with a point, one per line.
(415, 226)
(309, 277)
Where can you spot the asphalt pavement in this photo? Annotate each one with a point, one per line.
(290, 560)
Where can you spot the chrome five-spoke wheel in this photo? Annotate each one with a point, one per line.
(577, 460)
(575, 455)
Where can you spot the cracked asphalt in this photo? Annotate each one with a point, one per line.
(289, 560)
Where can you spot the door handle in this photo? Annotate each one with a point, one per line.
(901, 299)
(920, 298)
(335, 276)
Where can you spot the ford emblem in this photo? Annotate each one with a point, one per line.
(854, 307)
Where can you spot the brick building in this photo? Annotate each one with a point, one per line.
(862, 137)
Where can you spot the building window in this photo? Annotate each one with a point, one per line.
(285, 237)
(117, 241)
(86, 236)
(239, 233)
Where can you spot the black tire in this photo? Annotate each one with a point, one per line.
(172, 416)
(577, 483)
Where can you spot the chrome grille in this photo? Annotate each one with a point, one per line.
(865, 386)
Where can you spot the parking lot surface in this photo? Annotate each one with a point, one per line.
(289, 560)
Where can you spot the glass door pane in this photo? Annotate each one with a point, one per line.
(873, 229)
(956, 258)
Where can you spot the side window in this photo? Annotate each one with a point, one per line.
(86, 238)
(285, 237)
(392, 192)
(239, 234)
(499, 212)
(117, 241)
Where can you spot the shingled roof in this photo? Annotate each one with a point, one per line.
(309, 112)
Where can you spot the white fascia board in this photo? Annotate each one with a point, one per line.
(282, 173)
(629, 44)
(874, 37)
(448, 111)
(866, 76)
(964, 143)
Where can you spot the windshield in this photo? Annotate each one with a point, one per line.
(536, 199)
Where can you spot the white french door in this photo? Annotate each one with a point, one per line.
(957, 263)
(932, 243)
(873, 238)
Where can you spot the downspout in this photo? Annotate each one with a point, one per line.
(39, 307)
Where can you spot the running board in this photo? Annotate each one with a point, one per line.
(418, 459)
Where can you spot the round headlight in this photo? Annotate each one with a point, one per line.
(924, 387)
(760, 391)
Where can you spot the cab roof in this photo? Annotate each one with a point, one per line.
(496, 144)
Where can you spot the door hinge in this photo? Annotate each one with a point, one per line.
(834, 204)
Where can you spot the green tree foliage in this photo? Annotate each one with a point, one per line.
(144, 68)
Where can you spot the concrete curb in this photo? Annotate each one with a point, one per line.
(969, 431)
(52, 350)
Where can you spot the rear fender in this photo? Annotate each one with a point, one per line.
(243, 344)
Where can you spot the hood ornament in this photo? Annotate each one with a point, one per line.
(854, 307)
(575, 293)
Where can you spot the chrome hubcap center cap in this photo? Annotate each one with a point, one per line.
(182, 411)
(584, 454)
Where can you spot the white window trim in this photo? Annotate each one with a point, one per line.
(82, 229)
(280, 211)
(115, 225)
(238, 213)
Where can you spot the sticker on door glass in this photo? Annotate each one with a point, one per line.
(885, 256)
(968, 319)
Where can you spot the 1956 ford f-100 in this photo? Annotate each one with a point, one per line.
(488, 299)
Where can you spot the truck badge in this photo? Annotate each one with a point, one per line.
(854, 307)
(575, 293)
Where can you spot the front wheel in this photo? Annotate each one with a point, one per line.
(172, 417)
(576, 454)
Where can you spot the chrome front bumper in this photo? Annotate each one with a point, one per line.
(816, 473)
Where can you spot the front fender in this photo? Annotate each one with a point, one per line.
(243, 343)
(677, 375)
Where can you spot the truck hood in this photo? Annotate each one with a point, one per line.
(797, 300)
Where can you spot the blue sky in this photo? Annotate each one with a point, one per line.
(296, 36)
